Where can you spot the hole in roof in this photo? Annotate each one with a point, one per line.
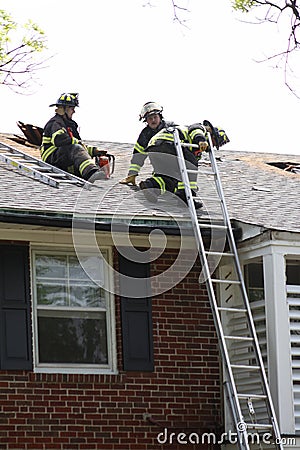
(286, 166)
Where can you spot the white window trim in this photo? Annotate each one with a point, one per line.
(111, 367)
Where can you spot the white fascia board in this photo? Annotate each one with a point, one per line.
(272, 242)
(249, 231)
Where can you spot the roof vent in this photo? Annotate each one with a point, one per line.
(286, 166)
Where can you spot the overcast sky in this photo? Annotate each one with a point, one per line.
(119, 54)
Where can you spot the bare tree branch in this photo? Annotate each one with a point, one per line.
(286, 15)
(20, 61)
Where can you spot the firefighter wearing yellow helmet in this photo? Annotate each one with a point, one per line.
(62, 146)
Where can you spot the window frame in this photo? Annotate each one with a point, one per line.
(41, 367)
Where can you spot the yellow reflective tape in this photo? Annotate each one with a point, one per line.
(193, 185)
(135, 167)
(61, 131)
(196, 132)
(85, 164)
(161, 183)
(140, 149)
(46, 153)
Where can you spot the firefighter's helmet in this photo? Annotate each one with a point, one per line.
(150, 108)
(69, 99)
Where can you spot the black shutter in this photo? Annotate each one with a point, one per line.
(15, 323)
(136, 316)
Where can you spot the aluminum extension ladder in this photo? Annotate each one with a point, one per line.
(242, 403)
(38, 169)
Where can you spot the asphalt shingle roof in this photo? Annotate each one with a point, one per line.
(255, 192)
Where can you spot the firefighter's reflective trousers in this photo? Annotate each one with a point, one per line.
(74, 159)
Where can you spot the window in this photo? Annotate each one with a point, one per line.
(293, 272)
(254, 280)
(72, 313)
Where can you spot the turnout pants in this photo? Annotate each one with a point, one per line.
(166, 175)
(73, 159)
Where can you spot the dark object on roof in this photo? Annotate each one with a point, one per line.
(287, 166)
(32, 133)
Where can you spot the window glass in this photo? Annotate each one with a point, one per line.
(293, 272)
(254, 279)
(52, 267)
(51, 294)
(73, 340)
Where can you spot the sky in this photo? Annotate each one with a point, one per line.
(120, 54)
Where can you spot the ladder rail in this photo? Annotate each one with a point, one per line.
(230, 384)
(23, 158)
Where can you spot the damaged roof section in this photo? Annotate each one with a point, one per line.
(287, 166)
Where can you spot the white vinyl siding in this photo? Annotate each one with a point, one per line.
(293, 299)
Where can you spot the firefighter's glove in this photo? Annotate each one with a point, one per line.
(129, 180)
(202, 148)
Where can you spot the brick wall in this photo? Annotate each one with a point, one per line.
(128, 410)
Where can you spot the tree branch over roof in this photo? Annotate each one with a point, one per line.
(286, 15)
(19, 55)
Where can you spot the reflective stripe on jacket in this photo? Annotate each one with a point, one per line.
(140, 150)
(192, 134)
(58, 132)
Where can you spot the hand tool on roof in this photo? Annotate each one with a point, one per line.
(106, 162)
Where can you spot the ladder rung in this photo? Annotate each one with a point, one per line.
(184, 144)
(216, 280)
(244, 367)
(68, 181)
(252, 396)
(206, 225)
(205, 172)
(212, 199)
(191, 171)
(219, 253)
(239, 338)
(261, 426)
(43, 169)
(223, 308)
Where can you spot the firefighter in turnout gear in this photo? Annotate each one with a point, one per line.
(163, 158)
(62, 146)
(151, 113)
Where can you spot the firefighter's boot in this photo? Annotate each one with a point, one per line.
(182, 199)
(151, 193)
(97, 175)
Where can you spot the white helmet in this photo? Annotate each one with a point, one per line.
(150, 108)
